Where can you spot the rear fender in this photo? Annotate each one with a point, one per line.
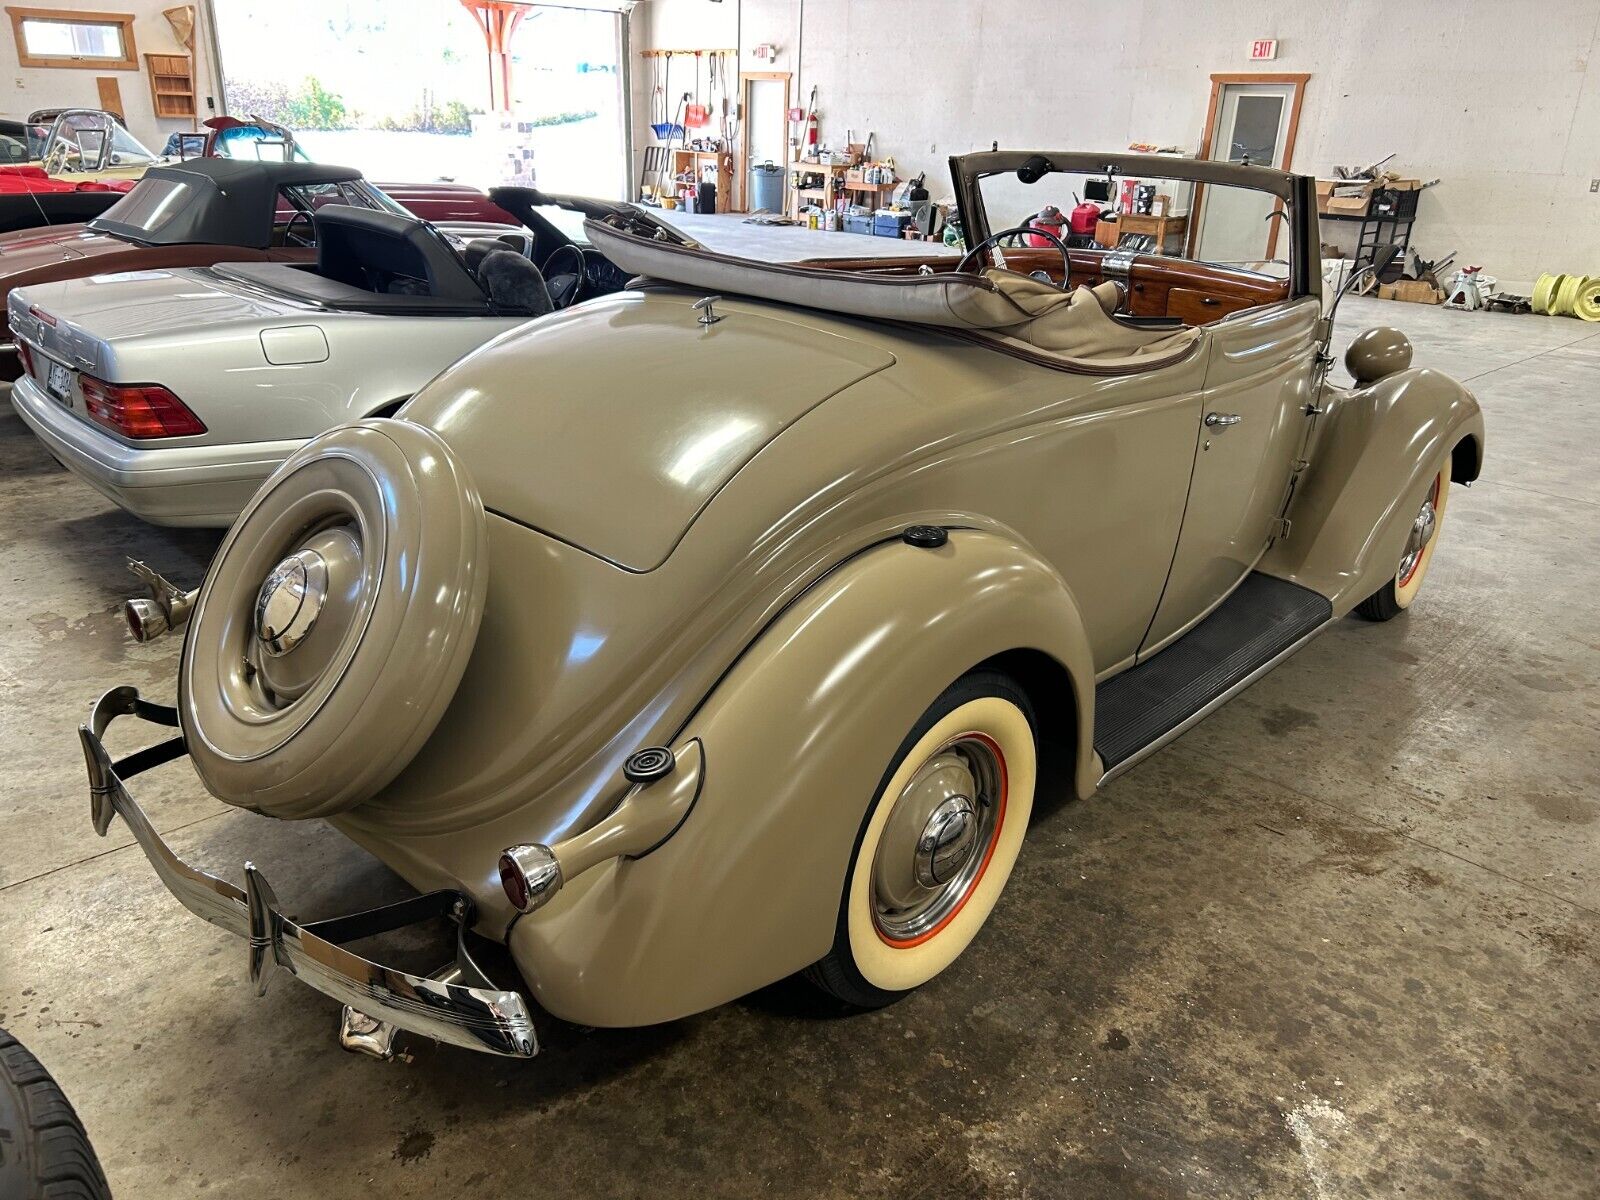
(1379, 447)
(794, 743)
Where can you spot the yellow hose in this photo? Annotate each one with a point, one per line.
(1544, 292)
(1587, 302)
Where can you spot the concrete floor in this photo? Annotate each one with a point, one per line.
(1339, 941)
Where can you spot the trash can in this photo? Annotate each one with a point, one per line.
(766, 187)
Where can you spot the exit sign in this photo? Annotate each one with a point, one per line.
(1263, 48)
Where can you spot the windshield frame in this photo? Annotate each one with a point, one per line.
(1296, 192)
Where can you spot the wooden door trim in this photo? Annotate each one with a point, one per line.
(1298, 80)
(742, 182)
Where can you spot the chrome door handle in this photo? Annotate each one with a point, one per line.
(1216, 420)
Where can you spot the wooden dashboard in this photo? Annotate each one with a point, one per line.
(1155, 285)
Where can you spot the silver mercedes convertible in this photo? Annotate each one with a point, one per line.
(175, 392)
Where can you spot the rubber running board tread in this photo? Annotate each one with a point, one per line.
(1259, 621)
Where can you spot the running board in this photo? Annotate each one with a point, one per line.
(1262, 623)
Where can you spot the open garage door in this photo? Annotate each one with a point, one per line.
(415, 92)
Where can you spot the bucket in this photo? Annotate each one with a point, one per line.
(766, 187)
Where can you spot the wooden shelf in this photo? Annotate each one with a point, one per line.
(686, 158)
(171, 85)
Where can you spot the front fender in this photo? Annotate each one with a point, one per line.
(794, 743)
(1379, 447)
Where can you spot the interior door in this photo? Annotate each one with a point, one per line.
(1252, 424)
(766, 126)
(1252, 124)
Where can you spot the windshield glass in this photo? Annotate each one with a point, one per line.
(308, 197)
(256, 143)
(150, 205)
(564, 219)
(82, 136)
(1179, 218)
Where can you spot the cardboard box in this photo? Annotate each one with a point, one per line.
(1412, 291)
(1105, 233)
(1351, 200)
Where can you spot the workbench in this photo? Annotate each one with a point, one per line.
(1167, 231)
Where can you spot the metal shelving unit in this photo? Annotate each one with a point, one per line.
(1371, 234)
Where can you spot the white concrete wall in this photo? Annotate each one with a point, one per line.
(28, 88)
(1515, 148)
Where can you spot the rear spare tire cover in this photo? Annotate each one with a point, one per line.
(335, 622)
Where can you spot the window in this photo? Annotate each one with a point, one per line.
(308, 197)
(149, 206)
(48, 37)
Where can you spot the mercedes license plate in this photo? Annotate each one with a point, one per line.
(59, 382)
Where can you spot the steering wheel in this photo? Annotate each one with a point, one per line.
(307, 239)
(565, 287)
(994, 239)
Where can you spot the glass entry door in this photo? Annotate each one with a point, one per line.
(1251, 123)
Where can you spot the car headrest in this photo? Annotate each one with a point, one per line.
(514, 284)
(479, 249)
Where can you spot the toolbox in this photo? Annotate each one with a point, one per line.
(858, 222)
(886, 223)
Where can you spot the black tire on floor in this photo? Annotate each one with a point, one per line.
(989, 704)
(44, 1152)
(1381, 605)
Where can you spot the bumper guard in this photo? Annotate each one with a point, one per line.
(458, 1005)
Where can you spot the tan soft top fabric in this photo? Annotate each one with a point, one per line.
(1079, 325)
(1017, 309)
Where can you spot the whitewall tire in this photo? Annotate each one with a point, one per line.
(937, 845)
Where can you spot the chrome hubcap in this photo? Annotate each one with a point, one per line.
(1421, 534)
(290, 601)
(935, 842)
(946, 842)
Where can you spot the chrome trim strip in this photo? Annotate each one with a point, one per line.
(1211, 706)
(474, 1018)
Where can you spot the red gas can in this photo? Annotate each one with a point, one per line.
(1084, 218)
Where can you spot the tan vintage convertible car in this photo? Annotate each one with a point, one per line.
(719, 629)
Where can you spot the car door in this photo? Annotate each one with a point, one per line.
(1252, 425)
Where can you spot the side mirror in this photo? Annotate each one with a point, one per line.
(1383, 258)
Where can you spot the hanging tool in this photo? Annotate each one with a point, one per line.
(669, 129)
(696, 115)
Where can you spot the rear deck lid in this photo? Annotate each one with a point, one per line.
(140, 303)
(612, 425)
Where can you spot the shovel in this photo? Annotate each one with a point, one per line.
(697, 115)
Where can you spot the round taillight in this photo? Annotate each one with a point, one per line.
(514, 882)
(530, 875)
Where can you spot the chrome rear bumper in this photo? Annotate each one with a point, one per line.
(471, 1013)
